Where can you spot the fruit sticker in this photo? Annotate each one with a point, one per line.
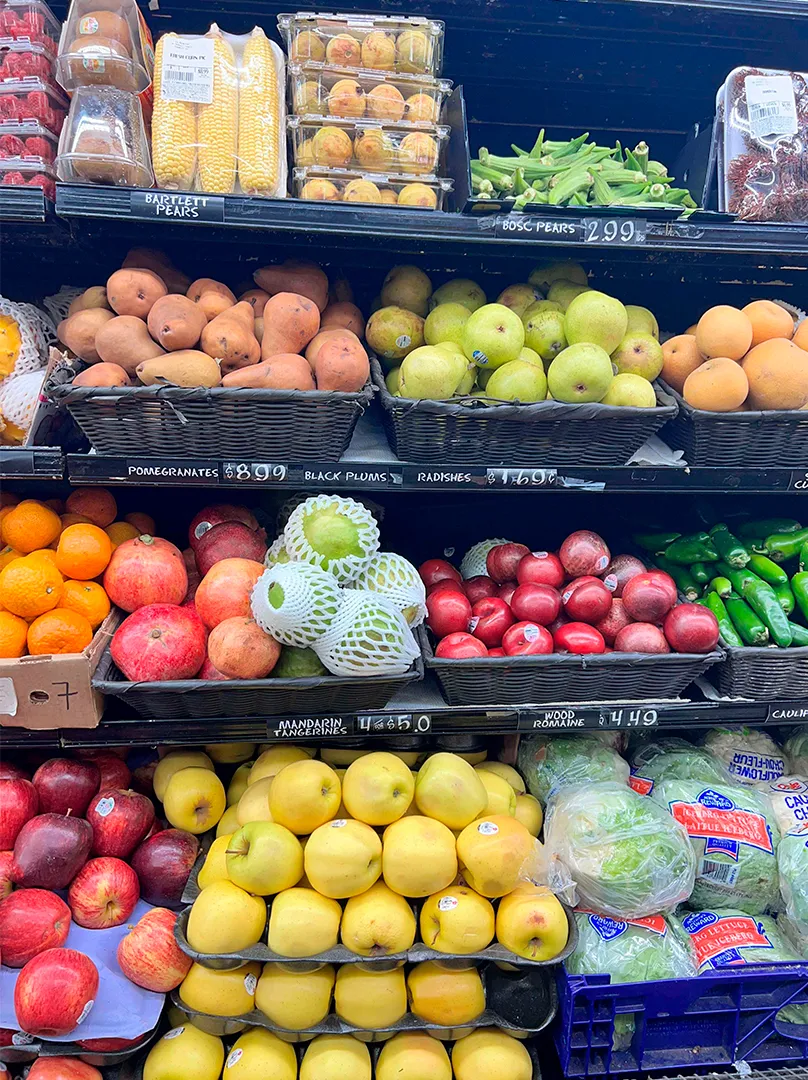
(104, 807)
(250, 983)
(85, 1012)
(174, 1033)
(488, 828)
(234, 1058)
(719, 939)
(447, 903)
(88, 25)
(340, 823)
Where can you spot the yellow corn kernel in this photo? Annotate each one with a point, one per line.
(218, 123)
(260, 119)
(173, 134)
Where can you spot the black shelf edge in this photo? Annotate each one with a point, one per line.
(24, 204)
(31, 463)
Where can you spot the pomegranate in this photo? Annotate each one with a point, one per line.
(588, 603)
(691, 628)
(209, 516)
(159, 642)
(146, 570)
(194, 580)
(578, 637)
(648, 598)
(208, 671)
(476, 588)
(434, 570)
(541, 567)
(614, 622)
(225, 590)
(641, 637)
(503, 560)
(584, 552)
(229, 540)
(240, 649)
(622, 569)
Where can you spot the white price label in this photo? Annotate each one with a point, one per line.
(772, 108)
(187, 71)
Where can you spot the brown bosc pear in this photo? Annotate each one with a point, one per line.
(230, 337)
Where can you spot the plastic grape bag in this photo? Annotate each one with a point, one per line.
(752, 757)
(550, 762)
(627, 857)
(673, 759)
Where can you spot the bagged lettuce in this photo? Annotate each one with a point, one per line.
(752, 757)
(796, 750)
(792, 867)
(727, 936)
(625, 854)
(734, 835)
(550, 762)
(673, 759)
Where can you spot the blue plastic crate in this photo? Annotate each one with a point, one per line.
(713, 1019)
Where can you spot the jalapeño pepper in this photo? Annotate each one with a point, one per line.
(700, 573)
(767, 526)
(729, 635)
(721, 586)
(799, 586)
(763, 601)
(784, 546)
(655, 541)
(800, 636)
(768, 570)
(729, 547)
(804, 558)
(690, 549)
(685, 582)
(745, 621)
(786, 597)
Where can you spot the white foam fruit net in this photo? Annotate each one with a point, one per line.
(337, 534)
(33, 352)
(43, 329)
(288, 505)
(392, 576)
(58, 305)
(277, 553)
(19, 396)
(296, 603)
(369, 636)
(473, 563)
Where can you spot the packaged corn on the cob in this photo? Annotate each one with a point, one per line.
(219, 116)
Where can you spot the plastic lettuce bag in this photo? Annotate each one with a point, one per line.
(673, 759)
(792, 867)
(734, 836)
(625, 854)
(550, 762)
(796, 750)
(752, 757)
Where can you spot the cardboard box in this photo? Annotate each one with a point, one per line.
(46, 692)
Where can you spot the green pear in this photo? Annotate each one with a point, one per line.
(392, 380)
(564, 292)
(638, 354)
(429, 373)
(596, 319)
(582, 372)
(392, 332)
(459, 291)
(546, 273)
(545, 333)
(540, 305)
(407, 287)
(483, 375)
(531, 356)
(493, 335)
(519, 297)
(446, 323)
(518, 380)
(468, 368)
(630, 390)
(641, 321)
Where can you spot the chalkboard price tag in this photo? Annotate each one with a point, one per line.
(628, 716)
(176, 206)
(615, 232)
(527, 226)
(253, 472)
(799, 481)
(394, 724)
(309, 727)
(787, 713)
(521, 478)
(557, 718)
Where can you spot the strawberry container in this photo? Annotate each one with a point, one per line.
(31, 100)
(24, 59)
(17, 172)
(29, 21)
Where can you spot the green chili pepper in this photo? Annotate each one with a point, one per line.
(729, 635)
(763, 601)
(655, 541)
(721, 586)
(768, 526)
(800, 636)
(745, 621)
(685, 582)
(689, 549)
(784, 546)
(700, 573)
(768, 570)
(804, 558)
(729, 547)
(785, 595)
(799, 586)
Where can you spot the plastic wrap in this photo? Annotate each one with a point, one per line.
(31, 100)
(550, 762)
(796, 750)
(627, 857)
(20, 59)
(673, 759)
(752, 757)
(29, 143)
(723, 936)
(368, 145)
(792, 868)
(104, 140)
(29, 21)
(318, 184)
(734, 835)
(219, 114)
(105, 44)
(318, 90)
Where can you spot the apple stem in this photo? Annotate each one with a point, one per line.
(69, 811)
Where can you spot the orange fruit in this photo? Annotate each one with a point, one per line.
(57, 505)
(30, 587)
(30, 525)
(119, 531)
(144, 524)
(768, 321)
(7, 555)
(13, 635)
(8, 498)
(4, 512)
(801, 335)
(46, 553)
(680, 356)
(83, 552)
(88, 599)
(724, 331)
(59, 631)
(717, 385)
(98, 504)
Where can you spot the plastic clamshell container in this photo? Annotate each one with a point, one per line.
(372, 147)
(317, 184)
(319, 90)
(31, 21)
(22, 59)
(104, 140)
(31, 100)
(28, 142)
(378, 42)
(104, 45)
(22, 172)
(765, 128)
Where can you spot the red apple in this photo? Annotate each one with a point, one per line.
(143, 778)
(506, 591)
(434, 570)
(66, 786)
(584, 552)
(527, 639)
(541, 568)
(6, 883)
(580, 638)
(614, 622)
(63, 1068)
(641, 637)
(448, 612)
(648, 598)
(108, 1046)
(90, 753)
(163, 863)
(490, 618)
(588, 603)
(7, 1036)
(460, 647)
(446, 584)
(32, 920)
(18, 803)
(55, 992)
(150, 957)
(120, 820)
(562, 620)
(620, 571)
(691, 628)
(114, 771)
(497, 652)
(103, 893)
(50, 850)
(503, 561)
(10, 771)
(478, 587)
(536, 603)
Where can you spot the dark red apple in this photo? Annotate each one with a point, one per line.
(542, 568)
(648, 598)
(580, 638)
(588, 603)
(434, 570)
(446, 584)
(691, 628)
(228, 540)
(10, 771)
(120, 820)
(90, 753)
(114, 772)
(536, 603)
(66, 786)
(55, 992)
(209, 516)
(163, 863)
(562, 620)
(497, 652)
(641, 637)
(584, 552)
(614, 622)
(460, 647)
(32, 920)
(18, 803)
(503, 561)
(620, 571)
(490, 618)
(448, 612)
(527, 639)
(50, 850)
(476, 588)
(103, 893)
(506, 591)
(6, 884)
(143, 777)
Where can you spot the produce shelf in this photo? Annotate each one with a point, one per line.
(31, 463)
(24, 204)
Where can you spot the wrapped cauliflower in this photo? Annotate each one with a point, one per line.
(673, 759)
(734, 835)
(551, 762)
(625, 855)
(789, 796)
(752, 757)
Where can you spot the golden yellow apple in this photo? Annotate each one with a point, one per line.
(418, 856)
(225, 919)
(335, 1057)
(507, 772)
(377, 922)
(449, 790)
(501, 796)
(259, 1054)
(303, 923)
(369, 998)
(304, 795)
(343, 858)
(292, 998)
(271, 761)
(409, 757)
(449, 1034)
(493, 1054)
(194, 799)
(238, 783)
(254, 802)
(473, 757)
(264, 858)
(377, 789)
(340, 756)
(173, 762)
(412, 1055)
(457, 920)
(528, 811)
(214, 868)
(493, 853)
(228, 822)
(220, 993)
(182, 1052)
(230, 753)
(448, 996)
(532, 923)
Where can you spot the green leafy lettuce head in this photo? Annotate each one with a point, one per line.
(550, 762)
(673, 759)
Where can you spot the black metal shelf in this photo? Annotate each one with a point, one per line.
(24, 204)
(31, 463)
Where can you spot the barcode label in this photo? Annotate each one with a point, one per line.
(187, 70)
(719, 873)
(181, 76)
(772, 108)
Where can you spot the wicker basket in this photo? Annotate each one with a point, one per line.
(188, 699)
(763, 673)
(763, 439)
(550, 432)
